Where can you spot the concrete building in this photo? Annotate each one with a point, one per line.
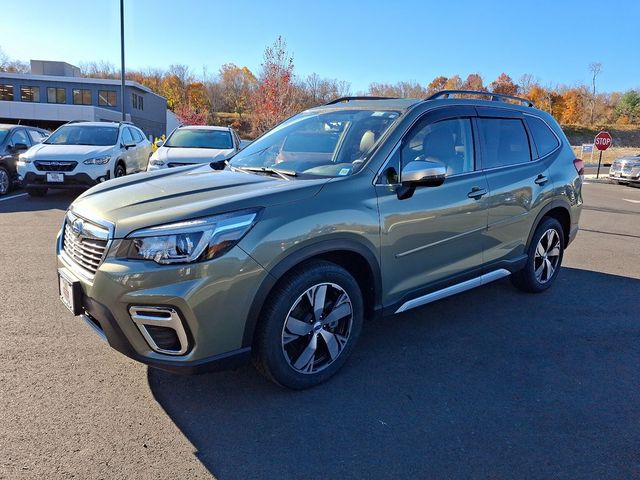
(55, 93)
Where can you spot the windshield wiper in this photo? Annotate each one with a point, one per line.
(274, 171)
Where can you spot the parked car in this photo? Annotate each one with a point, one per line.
(399, 202)
(195, 144)
(626, 170)
(82, 154)
(14, 140)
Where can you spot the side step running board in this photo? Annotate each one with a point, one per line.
(453, 289)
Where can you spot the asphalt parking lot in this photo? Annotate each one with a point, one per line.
(492, 383)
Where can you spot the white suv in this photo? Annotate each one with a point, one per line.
(81, 154)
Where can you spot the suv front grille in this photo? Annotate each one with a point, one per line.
(626, 170)
(84, 242)
(55, 166)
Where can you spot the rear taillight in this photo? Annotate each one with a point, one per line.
(579, 164)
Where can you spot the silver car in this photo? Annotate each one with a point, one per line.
(626, 170)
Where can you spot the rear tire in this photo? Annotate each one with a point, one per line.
(545, 258)
(36, 191)
(309, 325)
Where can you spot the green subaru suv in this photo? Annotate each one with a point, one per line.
(365, 206)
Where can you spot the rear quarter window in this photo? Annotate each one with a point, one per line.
(504, 142)
(544, 138)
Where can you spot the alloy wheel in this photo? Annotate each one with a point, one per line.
(547, 255)
(317, 328)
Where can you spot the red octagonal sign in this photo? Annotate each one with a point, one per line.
(602, 141)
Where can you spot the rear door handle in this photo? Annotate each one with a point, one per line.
(477, 192)
(541, 179)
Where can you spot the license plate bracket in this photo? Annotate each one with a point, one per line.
(70, 291)
(55, 177)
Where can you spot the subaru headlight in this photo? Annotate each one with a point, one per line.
(23, 160)
(156, 163)
(189, 241)
(97, 160)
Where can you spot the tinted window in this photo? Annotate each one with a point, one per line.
(36, 136)
(544, 138)
(30, 94)
(127, 138)
(56, 95)
(504, 142)
(83, 135)
(20, 136)
(6, 92)
(107, 98)
(449, 142)
(137, 136)
(81, 96)
(3, 134)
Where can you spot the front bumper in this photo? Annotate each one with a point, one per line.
(78, 180)
(211, 298)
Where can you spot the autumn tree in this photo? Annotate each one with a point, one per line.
(237, 86)
(453, 83)
(474, 82)
(504, 85)
(628, 107)
(437, 84)
(317, 90)
(274, 99)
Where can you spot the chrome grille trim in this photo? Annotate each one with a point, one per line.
(86, 246)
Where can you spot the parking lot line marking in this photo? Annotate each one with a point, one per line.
(13, 196)
(632, 201)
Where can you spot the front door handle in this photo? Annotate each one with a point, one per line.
(477, 192)
(541, 179)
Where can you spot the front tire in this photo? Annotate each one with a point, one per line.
(309, 325)
(119, 171)
(5, 181)
(545, 258)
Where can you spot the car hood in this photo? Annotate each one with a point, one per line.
(67, 152)
(166, 196)
(195, 155)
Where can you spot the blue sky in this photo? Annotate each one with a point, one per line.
(357, 41)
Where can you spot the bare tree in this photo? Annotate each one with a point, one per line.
(595, 69)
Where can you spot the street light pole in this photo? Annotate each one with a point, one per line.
(122, 97)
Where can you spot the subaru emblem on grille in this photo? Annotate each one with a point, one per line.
(77, 226)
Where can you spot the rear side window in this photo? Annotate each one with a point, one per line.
(545, 140)
(504, 142)
(36, 136)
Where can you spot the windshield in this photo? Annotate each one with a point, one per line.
(3, 134)
(200, 138)
(83, 135)
(329, 143)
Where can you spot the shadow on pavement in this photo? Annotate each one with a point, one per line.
(492, 383)
(18, 201)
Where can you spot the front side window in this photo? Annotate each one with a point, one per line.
(449, 142)
(6, 92)
(20, 136)
(56, 95)
(107, 98)
(199, 138)
(127, 138)
(81, 96)
(84, 135)
(137, 135)
(328, 143)
(504, 142)
(29, 94)
(545, 140)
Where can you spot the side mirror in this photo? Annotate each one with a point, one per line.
(420, 173)
(19, 147)
(129, 145)
(423, 173)
(159, 143)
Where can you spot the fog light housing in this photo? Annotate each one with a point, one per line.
(162, 328)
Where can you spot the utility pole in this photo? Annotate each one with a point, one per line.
(122, 86)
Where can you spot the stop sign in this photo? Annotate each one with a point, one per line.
(602, 141)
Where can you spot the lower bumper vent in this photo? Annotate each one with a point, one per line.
(162, 328)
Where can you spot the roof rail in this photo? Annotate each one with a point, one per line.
(127, 122)
(497, 97)
(347, 99)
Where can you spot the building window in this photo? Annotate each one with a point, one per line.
(81, 96)
(29, 94)
(138, 101)
(6, 92)
(56, 95)
(106, 98)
